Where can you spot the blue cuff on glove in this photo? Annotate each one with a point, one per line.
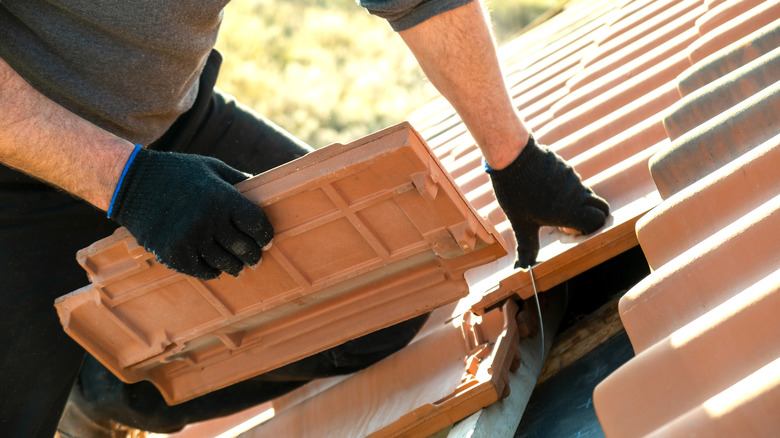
(122, 178)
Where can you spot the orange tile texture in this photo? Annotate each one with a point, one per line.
(368, 234)
(704, 323)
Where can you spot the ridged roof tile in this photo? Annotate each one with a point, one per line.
(703, 324)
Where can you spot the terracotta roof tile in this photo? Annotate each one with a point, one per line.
(735, 28)
(365, 237)
(703, 323)
(747, 407)
(718, 140)
(742, 51)
(697, 362)
(702, 277)
(710, 203)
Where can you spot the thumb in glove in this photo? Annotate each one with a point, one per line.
(184, 209)
(540, 189)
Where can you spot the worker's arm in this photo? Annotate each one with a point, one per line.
(50, 143)
(533, 185)
(457, 52)
(181, 207)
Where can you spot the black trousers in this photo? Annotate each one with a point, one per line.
(42, 228)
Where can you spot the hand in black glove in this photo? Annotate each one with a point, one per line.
(539, 188)
(185, 210)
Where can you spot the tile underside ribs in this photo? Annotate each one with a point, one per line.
(704, 323)
(367, 235)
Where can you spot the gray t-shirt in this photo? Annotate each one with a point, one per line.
(132, 67)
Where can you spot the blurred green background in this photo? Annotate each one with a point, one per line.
(326, 70)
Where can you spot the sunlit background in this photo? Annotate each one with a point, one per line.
(326, 70)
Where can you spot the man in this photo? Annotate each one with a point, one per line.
(84, 85)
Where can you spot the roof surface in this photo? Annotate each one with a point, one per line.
(671, 111)
(685, 89)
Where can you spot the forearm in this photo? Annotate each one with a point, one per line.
(50, 143)
(457, 52)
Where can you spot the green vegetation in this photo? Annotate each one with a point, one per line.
(326, 70)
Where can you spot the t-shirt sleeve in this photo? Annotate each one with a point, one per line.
(404, 14)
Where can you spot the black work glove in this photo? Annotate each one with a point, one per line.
(539, 188)
(184, 209)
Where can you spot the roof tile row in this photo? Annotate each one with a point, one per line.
(704, 324)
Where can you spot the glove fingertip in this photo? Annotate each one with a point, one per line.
(227, 172)
(526, 254)
(593, 219)
(598, 202)
(197, 269)
(253, 222)
(234, 272)
(524, 260)
(527, 241)
(208, 276)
